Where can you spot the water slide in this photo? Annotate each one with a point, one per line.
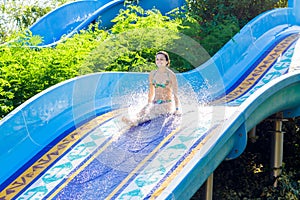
(69, 143)
(72, 17)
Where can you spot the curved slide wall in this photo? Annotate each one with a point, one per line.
(240, 54)
(67, 108)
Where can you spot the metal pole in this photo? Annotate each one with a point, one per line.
(252, 135)
(277, 147)
(209, 187)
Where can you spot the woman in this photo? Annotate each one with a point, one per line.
(163, 89)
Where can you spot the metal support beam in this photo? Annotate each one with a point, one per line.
(252, 135)
(277, 147)
(209, 187)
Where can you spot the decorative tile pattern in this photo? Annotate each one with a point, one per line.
(278, 69)
(50, 157)
(258, 72)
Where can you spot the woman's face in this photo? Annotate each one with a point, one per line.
(161, 60)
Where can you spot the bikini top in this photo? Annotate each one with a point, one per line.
(162, 85)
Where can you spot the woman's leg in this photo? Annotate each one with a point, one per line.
(150, 112)
(141, 117)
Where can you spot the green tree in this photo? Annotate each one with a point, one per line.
(135, 38)
(220, 20)
(25, 71)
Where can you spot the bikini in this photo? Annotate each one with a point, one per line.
(161, 85)
(160, 101)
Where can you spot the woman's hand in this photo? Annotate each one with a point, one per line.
(144, 110)
(177, 111)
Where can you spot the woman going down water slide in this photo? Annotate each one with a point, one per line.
(162, 96)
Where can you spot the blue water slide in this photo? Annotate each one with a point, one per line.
(72, 17)
(69, 141)
(245, 48)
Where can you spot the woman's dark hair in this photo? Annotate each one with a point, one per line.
(166, 56)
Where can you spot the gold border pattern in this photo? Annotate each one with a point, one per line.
(51, 156)
(259, 70)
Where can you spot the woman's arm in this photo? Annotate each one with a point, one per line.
(150, 96)
(175, 91)
(151, 88)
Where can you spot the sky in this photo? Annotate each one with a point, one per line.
(19, 4)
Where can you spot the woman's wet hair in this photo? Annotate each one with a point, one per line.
(166, 56)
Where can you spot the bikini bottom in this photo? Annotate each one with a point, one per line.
(160, 101)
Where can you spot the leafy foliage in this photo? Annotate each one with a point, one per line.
(219, 20)
(135, 38)
(25, 72)
(243, 10)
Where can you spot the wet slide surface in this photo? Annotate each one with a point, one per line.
(98, 160)
(105, 159)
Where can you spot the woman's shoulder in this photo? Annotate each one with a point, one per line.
(152, 72)
(171, 72)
